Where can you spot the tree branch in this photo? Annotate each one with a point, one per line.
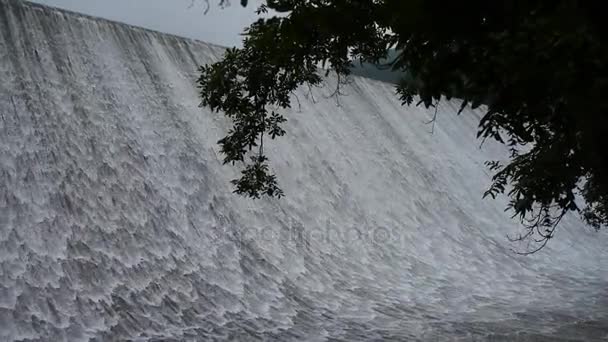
(434, 119)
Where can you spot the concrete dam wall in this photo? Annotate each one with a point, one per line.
(117, 221)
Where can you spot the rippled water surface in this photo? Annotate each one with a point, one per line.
(117, 220)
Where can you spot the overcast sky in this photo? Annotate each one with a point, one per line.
(219, 26)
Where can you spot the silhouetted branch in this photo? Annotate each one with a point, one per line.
(222, 4)
(297, 99)
(312, 96)
(545, 235)
(341, 80)
(261, 144)
(434, 119)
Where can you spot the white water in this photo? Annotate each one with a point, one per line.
(117, 220)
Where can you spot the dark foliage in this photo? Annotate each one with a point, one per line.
(539, 67)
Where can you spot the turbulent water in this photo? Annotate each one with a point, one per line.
(117, 220)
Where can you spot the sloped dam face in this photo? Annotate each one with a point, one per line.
(117, 221)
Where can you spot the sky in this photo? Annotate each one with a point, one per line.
(185, 18)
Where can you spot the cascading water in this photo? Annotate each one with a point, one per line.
(117, 220)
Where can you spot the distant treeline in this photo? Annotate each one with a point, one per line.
(381, 71)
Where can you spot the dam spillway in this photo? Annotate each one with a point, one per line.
(117, 221)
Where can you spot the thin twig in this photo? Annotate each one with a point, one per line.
(434, 119)
(261, 145)
(545, 237)
(206, 2)
(312, 96)
(338, 92)
(297, 99)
